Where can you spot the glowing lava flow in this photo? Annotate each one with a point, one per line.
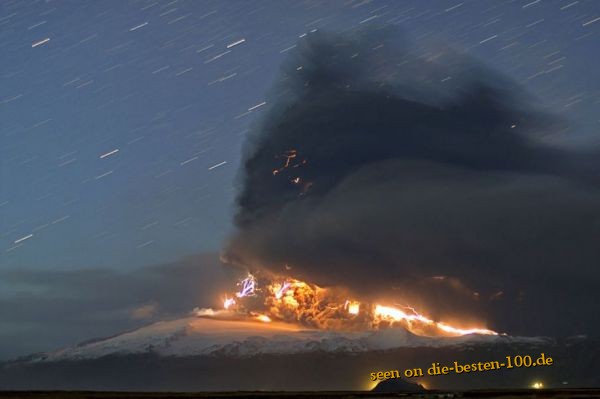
(465, 331)
(353, 307)
(394, 314)
(263, 317)
(387, 312)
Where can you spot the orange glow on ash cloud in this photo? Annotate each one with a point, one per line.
(295, 301)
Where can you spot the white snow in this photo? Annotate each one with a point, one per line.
(209, 336)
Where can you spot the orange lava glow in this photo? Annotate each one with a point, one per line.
(228, 302)
(294, 301)
(353, 307)
(396, 315)
(263, 317)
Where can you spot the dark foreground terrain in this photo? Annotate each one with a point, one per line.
(490, 394)
(575, 365)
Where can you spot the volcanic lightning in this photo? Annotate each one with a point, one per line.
(248, 286)
(282, 290)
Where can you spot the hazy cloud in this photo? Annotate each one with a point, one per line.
(49, 309)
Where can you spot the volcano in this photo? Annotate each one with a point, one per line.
(207, 336)
(218, 354)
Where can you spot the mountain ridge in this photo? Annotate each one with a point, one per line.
(206, 336)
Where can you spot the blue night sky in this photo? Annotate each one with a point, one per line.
(123, 121)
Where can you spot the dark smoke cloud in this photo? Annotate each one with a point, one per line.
(420, 175)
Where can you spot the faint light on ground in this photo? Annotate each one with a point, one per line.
(537, 385)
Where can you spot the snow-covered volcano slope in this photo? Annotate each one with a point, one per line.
(195, 336)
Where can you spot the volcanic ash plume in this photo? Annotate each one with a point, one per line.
(412, 175)
(297, 302)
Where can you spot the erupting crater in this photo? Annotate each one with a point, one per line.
(293, 301)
